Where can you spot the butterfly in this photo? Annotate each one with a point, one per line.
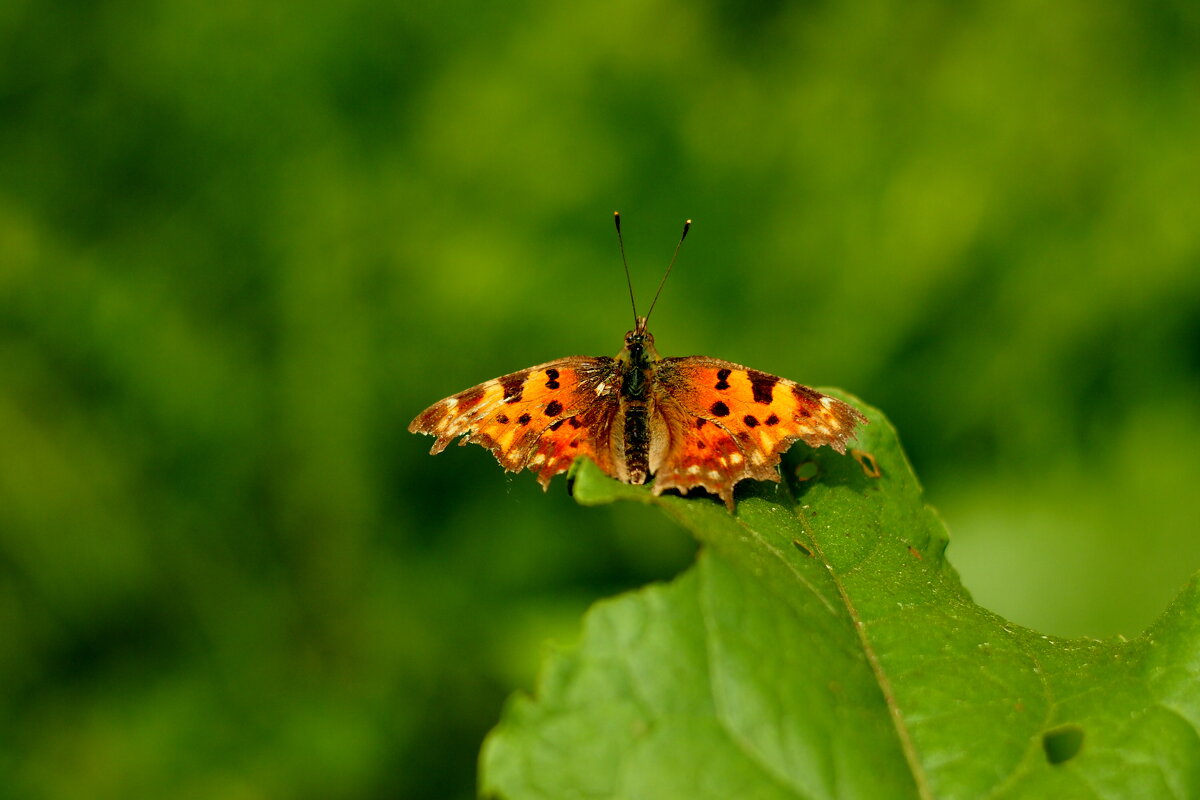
(685, 422)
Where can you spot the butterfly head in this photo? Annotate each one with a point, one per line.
(639, 345)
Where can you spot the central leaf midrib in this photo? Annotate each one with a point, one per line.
(907, 746)
(881, 679)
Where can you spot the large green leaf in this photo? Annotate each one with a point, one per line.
(822, 646)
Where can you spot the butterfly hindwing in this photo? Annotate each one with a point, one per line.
(532, 418)
(698, 453)
(588, 433)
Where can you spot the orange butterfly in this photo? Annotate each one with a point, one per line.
(688, 422)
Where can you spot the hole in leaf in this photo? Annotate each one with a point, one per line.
(867, 462)
(806, 471)
(1062, 743)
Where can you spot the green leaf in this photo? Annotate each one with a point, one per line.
(822, 647)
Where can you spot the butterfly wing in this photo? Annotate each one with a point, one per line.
(542, 417)
(725, 422)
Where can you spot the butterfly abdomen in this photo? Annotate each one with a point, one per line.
(637, 442)
(635, 390)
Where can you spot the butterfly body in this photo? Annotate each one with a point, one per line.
(685, 422)
(637, 360)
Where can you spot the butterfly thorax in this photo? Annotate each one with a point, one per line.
(636, 362)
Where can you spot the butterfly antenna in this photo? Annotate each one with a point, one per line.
(686, 227)
(628, 280)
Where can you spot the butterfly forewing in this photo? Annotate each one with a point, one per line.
(758, 416)
(532, 418)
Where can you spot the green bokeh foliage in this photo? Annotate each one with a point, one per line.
(241, 246)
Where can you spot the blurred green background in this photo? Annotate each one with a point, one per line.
(241, 246)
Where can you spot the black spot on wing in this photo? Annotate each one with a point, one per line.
(771, 420)
(700, 422)
(722, 379)
(719, 409)
(513, 386)
(557, 424)
(502, 419)
(552, 378)
(763, 386)
(524, 419)
(554, 409)
(750, 420)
